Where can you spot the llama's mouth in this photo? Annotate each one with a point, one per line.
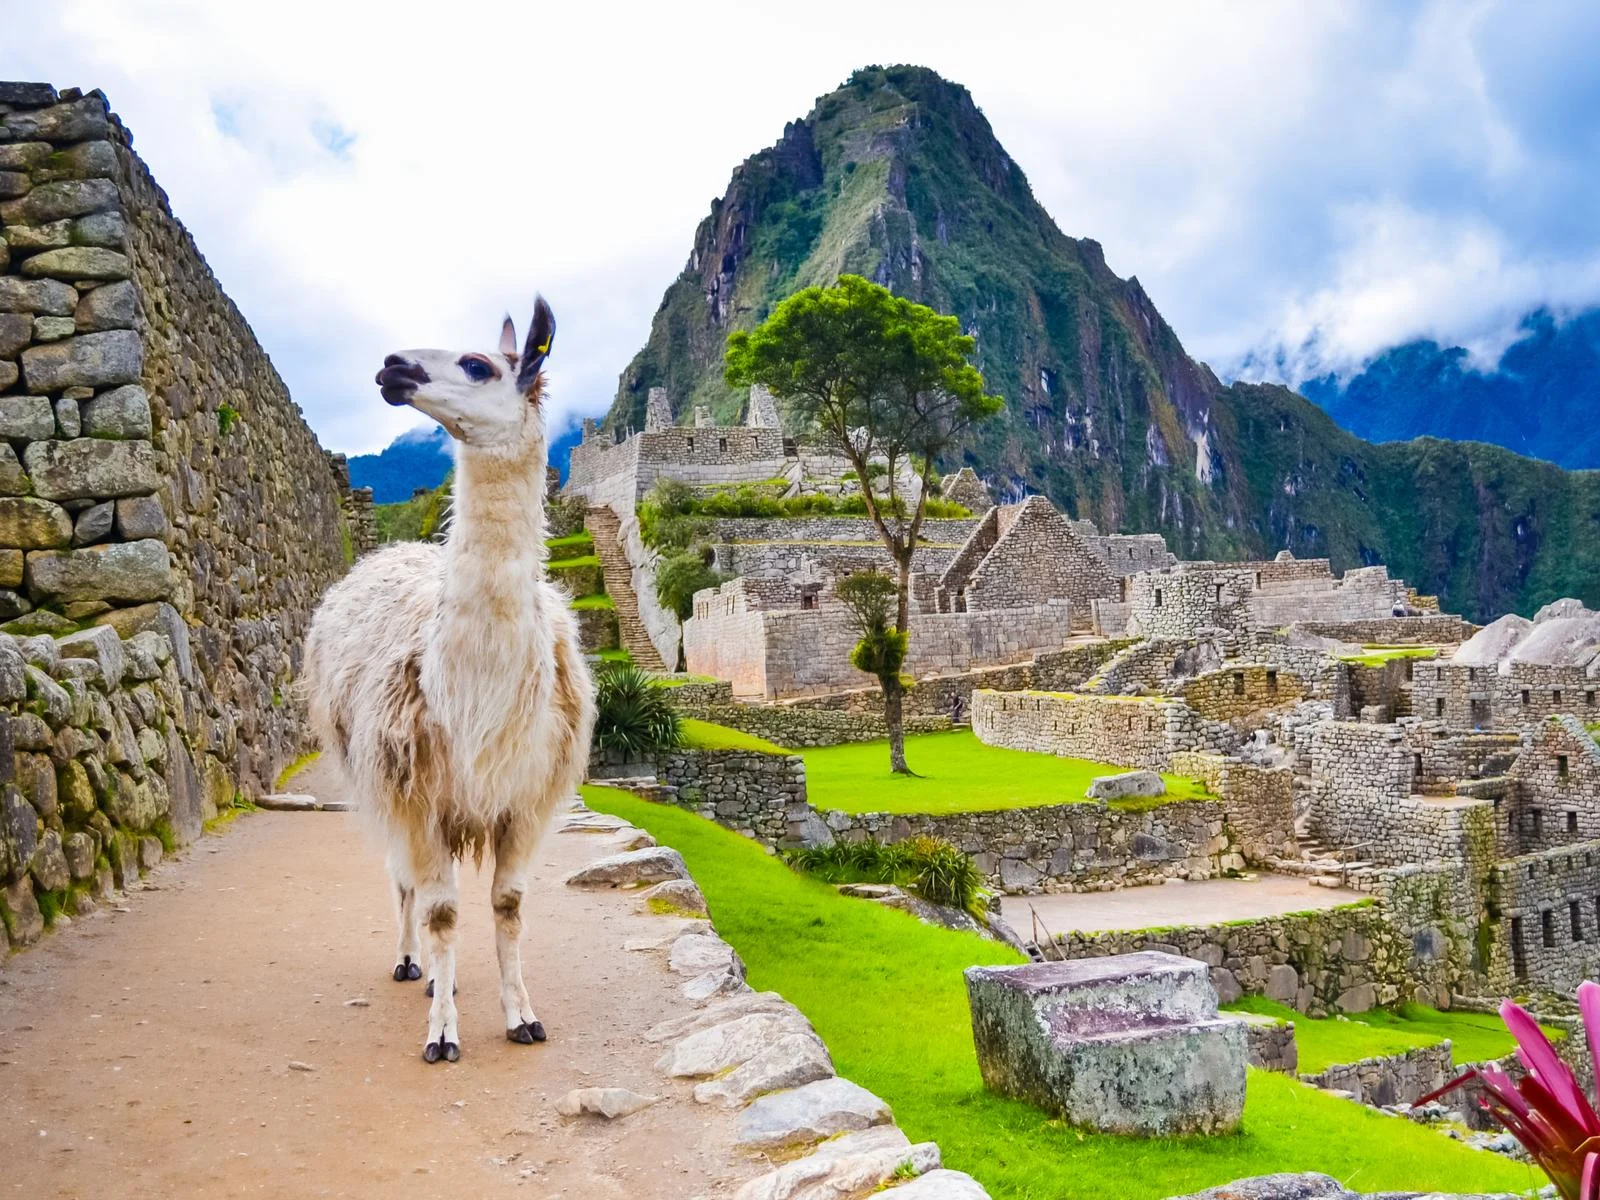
(399, 380)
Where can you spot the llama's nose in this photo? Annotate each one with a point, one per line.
(399, 371)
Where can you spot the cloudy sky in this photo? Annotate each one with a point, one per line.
(1297, 185)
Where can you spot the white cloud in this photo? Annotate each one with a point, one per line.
(366, 177)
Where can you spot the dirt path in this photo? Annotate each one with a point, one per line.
(147, 1052)
(1207, 902)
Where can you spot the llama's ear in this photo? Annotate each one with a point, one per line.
(540, 335)
(508, 339)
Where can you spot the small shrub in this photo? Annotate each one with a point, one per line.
(930, 867)
(227, 418)
(632, 714)
(679, 577)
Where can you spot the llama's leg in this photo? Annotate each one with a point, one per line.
(408, 952)
(513, 848)
(437, 906)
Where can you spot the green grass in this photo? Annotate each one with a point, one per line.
(1376, 656)
(573, 541)
(569, 564)
(598, 600)
(1474, 1037)
(886, 994)
(679, 682)
(703, 735)
(958, 773)
(616, 654)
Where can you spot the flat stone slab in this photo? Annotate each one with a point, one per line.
(635, 868)
(854, 1164)
(607, 1102)
(716, 1014)
(721, 1047)
(941, 1185)
(299, 802)
(1128, 1044)
(809, 1114)
(790, 1062)
(1128, 783)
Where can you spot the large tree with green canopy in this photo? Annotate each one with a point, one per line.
(886, 381)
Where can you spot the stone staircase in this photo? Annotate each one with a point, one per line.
(605, 529)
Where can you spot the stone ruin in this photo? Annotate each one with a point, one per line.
(1131, 1044)
(167, 519)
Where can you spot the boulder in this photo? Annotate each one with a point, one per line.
(697, 953)
(118, 571)
(91, 467)
(810, 1113)
(88, 360)
(607, 1102)
(1286, 1186)
(853, 1164)
(1128, 1044)
(27, 922)
(679, 896)
(79, 851)
(49, 864)
(1283, 984)
(713, 1050)
(942, 1185)
(122, 412)
(632, 869)
(719, 1013)
(1129, 783)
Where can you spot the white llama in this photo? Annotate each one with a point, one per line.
(447, 680)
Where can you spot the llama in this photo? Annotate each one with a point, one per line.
(447, 681)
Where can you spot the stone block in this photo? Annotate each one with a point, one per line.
(71, 263)
(1283, 984)
(123, 412)
(52, 329)
(26, 418)
(128, 572)
(88, 360)
(91, 468)
(79, 851)
(106, 230)
(86, 160)
(1363, 997)
(49, 236)
(633, 869)
(1128, 1044)
(16, 331)
(48, 296)
(801, 1115)
(93, 524)
(110, 306)
(100, 643)
(28, 523)
(10, 568)
(1128, 783)
(27, 922)
(25, 95)
(49, 866)
(59, 198)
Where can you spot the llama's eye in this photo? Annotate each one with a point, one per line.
(476, 369)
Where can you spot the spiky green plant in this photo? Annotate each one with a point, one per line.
(632, 714)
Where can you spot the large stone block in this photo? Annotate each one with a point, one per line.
(63, 198)
(91, 468)
(77, 120)
(16, 331)
(28, 523)
(49, 297)
(113, 306)
(78, 262)
(88, 360)
(1128, 1044)
(125, 572)
(1129, 783)
(27, 418)
(123, 412)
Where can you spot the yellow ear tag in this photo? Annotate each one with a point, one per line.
(545, 349)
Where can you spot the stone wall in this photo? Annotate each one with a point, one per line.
(1468, 696)
(1129, 731)
(1347, 959)
(1361, 595)
(798, 727)
(1402, 1078)
(744, 790)
(1257, 802)
(936, 531)
(1428, 630)
(1547, 932)
(107, 756)
(159, 472)
(1242, 690)
(1181, 601)
(1066, 847)
(1555, 790)
(1032, 554)
(792, 653)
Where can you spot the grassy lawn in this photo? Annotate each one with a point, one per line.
(886, 994)
(568, 564)
(580, 543)
(958, 773)
(1376, 656)
(598, 600)
(703, 735)
(683, 679)
(615, 655)
(1474, 1037)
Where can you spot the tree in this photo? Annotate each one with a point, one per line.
(880, 648)
(887, 382)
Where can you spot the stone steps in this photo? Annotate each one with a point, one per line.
(604, 528)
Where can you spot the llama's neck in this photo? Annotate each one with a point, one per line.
(495, 549)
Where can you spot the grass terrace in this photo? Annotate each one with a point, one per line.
(886, 994)
(958, 773)
(574, 544)
(1376, 656)
(703, 735)
(597, 600)
(1474, 1037)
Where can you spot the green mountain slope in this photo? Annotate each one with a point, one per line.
(897, 176)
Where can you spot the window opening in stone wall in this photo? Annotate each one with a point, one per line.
(1158, 598)
(1535, 824)
(808, 600)
(1577, 920)
(1272, 681)
(1416, 766)
(1547, 928)
(1519, 955)
(1238, 683)
(1410, 670)
(1525, 697)
(1258, 579)
(1555, 696)
(722, 444)
(1219, 593)
(1572, 824)
(1588, 699)
(1597, 912)
(1438, 707)
(1561, 765)
(691, 441)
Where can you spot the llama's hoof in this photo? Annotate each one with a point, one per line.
(406, 971)
(527, 1033)
(435, 1051)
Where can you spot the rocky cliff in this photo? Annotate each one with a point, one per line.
(898, 176)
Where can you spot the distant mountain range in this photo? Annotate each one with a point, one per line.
(898, 176)
(421, 458)
(1542, 399)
